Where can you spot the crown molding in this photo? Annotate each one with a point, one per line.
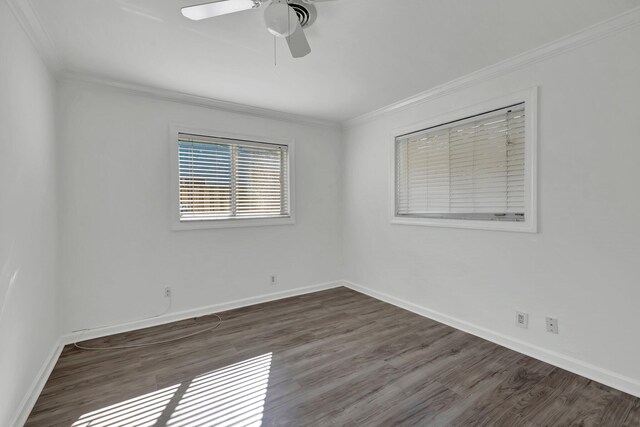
(195, 100)
(573, 41)
(30, 22)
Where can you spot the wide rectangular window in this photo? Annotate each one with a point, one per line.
(472, 170)
(227, 179)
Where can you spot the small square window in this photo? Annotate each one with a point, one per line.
(224, 181)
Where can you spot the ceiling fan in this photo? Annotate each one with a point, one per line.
(284, 18)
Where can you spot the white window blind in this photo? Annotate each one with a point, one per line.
(231, 179)
(472, 168)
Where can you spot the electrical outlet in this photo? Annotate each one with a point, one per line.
(273, 280)
(522, 320)
(552, 325)
(167, 291)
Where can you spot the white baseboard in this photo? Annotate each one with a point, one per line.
(30, 398)
(604, 376)
(196, 312)
(579, 367)
(29, 401)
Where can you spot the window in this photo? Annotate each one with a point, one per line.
(225, 180)
(471, 172)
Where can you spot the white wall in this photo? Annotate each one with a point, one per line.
(28, 317)
(582, 266)
(117, 251)
(117, 248)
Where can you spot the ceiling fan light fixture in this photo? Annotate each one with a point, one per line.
(281, 20)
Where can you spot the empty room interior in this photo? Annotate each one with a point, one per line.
(319, 213)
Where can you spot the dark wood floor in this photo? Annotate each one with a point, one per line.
(330, 358)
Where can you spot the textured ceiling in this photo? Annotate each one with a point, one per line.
(365, 53)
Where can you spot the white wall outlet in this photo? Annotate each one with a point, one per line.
(522, 320)
(167, 291)
(273, 280)
(552, 325)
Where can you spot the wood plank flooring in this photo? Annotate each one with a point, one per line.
(329, 358)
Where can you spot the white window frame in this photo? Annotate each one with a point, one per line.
(530, 224)
(177, 224)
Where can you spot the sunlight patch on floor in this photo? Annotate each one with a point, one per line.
(140, 411)
(233, 395)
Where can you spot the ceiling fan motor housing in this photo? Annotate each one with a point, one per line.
(281, 16)
(281, 20)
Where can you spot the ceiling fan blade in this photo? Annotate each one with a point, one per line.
(217, 8)
(298, 44)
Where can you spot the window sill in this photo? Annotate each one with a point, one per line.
(522, 227)
(231, 223)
